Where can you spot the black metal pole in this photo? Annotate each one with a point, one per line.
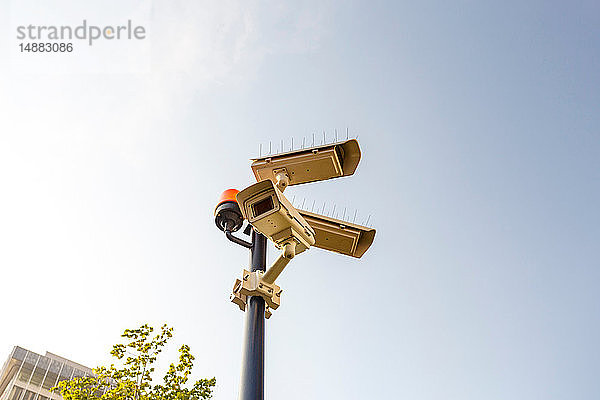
(253, 352)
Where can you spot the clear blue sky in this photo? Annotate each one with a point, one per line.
(480, 134)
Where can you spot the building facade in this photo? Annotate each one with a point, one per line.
(30, 376)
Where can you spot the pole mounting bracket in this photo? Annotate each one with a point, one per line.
(253, 284)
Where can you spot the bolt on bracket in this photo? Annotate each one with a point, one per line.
(236, 297)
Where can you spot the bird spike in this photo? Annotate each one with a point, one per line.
(303, 138)
(368, 219)
(323, 137)
(354, 219)
(347, 133)
(259, 150)
(336, 139)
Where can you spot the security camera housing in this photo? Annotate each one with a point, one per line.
(267, 209)
(339, 236)
(309, 165)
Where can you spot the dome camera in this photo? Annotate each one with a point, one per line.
(228, 216)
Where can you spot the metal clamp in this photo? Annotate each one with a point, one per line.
(282, 178)
(253, 284)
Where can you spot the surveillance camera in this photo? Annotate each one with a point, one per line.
(339, 236)
(228, 216)
(267, 209)
(311, 164)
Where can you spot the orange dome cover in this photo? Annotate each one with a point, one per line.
(228, 195)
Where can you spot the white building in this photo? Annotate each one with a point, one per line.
(30, 376)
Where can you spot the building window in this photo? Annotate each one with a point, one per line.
(40, 371)
(19, 353)
(16, 393)
(52, 375)
(29, 395)
(27, 368)
(65, 374)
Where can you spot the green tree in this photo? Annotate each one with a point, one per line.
(133, 380)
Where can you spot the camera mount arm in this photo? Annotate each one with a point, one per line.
(288, 252)
(237, 240)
